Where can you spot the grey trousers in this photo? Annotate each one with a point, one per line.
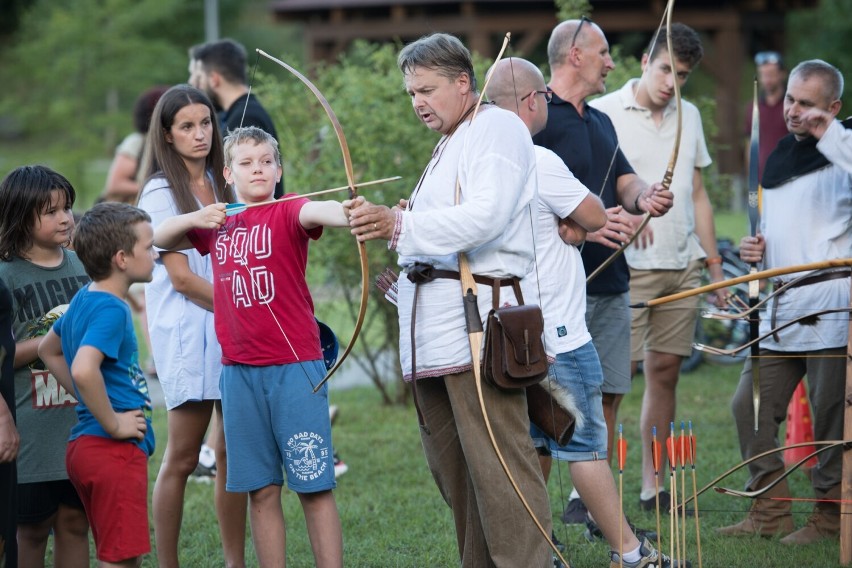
(492, 526)
(778, 379)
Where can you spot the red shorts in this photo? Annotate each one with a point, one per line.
(111, 477)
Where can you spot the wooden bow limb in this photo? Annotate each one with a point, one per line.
(611, 258)
(234, 208)
(473, 321)
(758, 492)
(739, 466)
(752, 343)
(353, 192)
(770, 273)
(749, 310)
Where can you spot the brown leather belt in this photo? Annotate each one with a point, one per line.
(421, 273)
(798, 283)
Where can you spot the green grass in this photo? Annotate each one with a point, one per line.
(392, 513)
(731, 225)
(393, 516)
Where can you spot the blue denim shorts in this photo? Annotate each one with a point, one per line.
(276, 425)
(579, 371)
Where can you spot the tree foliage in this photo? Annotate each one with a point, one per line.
(572, 9)
(70, 80)
(832, 43)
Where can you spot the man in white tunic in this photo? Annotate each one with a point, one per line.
(806, 217)
(491, 156)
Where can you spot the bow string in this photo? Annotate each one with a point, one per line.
(353, 193)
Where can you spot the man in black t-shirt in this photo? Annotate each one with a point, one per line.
(585, 139)
(219, 69)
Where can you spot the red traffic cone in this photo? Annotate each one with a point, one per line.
(799, 428)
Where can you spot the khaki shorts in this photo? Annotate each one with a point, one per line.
(668, 328)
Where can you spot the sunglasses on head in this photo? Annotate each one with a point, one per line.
(765, 57)
(583, 20)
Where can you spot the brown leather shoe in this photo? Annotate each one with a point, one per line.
(766, 517)
(757, 523)
(823, 523)
(808, 534)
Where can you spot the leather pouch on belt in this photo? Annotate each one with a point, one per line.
(514, 355)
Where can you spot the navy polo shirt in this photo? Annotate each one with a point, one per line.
(588, 145)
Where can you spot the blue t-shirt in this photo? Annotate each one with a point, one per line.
(103, 321)
(589, 147)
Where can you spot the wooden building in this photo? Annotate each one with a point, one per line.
(732, 30)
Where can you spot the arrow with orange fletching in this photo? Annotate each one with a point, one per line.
(681, 458)
(691, 449)
(234, 208)
(674, 531)
(655, 457)
(622, 459)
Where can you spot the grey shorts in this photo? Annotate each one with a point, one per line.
(608, 320)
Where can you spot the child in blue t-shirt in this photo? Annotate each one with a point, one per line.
(92, 349)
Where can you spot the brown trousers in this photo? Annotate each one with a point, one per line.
(492, 526)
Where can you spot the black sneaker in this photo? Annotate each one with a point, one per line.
(593, 532)
(665, 503)
(651, 558)
(203, 474)
(575, 512)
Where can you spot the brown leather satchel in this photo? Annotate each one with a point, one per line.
(514, 356)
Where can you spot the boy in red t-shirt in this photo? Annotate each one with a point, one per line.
(272, 417)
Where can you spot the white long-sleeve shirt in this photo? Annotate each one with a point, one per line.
(494, 161)
(809, 219)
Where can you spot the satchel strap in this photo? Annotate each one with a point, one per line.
(515, 282)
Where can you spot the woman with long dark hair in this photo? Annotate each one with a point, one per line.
(185, 174)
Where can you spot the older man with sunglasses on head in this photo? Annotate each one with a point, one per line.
(585, 139)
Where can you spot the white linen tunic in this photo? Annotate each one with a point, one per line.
(494, 161)
(836, 145)
(809, 219)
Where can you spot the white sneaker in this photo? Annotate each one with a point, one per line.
(339, 466)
